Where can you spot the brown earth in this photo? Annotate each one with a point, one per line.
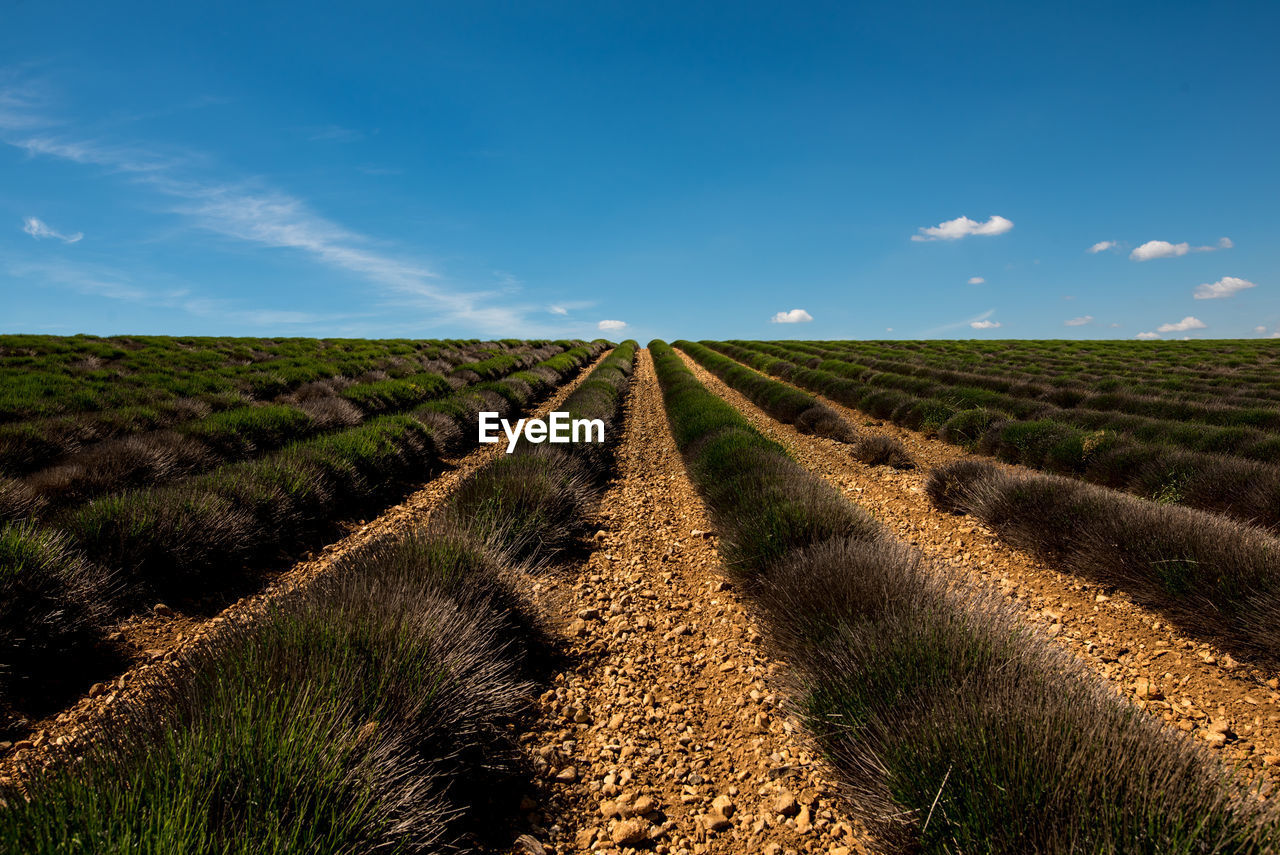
(669, 732)
(1233, 706)
(158, 640)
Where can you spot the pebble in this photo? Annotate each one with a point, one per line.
(630, 832)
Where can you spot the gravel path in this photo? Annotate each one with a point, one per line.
(1235, 707)
(666, 732)
(161, 638)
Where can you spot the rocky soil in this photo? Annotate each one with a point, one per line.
(668, 732)
(1232, 706)
(158, 640)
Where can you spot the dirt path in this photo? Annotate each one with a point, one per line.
(168, 636)
(1195, 688)
(667, 733)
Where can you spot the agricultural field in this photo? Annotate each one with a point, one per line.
(266, 596)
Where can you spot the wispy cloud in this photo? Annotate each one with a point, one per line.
(1227, 286)
(609, 326)
(1078, 322)
(90, 280)
(795, 316)
(985, 325)
(38, 229)
(266, 217)
(1163, 249)
(976, 280)
(1102, 246)
(963, 227)
(1187, 323)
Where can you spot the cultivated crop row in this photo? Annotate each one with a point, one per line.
(792, 406)
(64, 580)
(1210, 575)
(1154, 465)
(364, 713)
(1254, 420)
(956, 727)
(240, 433)
(76, 392)
(1237, 373)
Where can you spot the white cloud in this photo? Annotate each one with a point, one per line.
(38, 229)
(1159, 249)
(1163, 249)
(1147, 336)
(557, 310)
(1102, 246)
(984, 325)
(1227, 286)
(795, 316)
(888, 329)
(976, 280)
(962, 227)
(611, 325)
(1259, 330)
(1187, 323)
(1079, 322)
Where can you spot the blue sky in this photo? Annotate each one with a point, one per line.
(709, 170)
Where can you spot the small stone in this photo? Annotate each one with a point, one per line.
(804, 820)
(1143, 689)
(23, 745)
(1215, 740)
(616, 721)
(600, 534)
(786, 804)
(577, 627)
(630, 832)
(162, 610)
(609, 809)
(643, 806)
(530, 845)
(1220, 726)
(585, 837)
(723, 805)
(567, 775)
(527, 804)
